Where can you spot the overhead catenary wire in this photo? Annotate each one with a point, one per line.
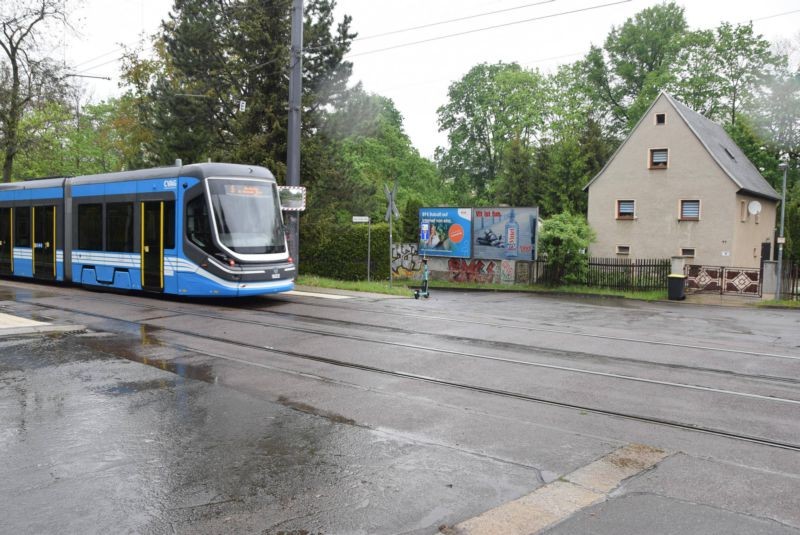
(432, 39)
(487, 28)
(449, 21)
(772, 16)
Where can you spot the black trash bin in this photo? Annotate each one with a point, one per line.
(676, 287)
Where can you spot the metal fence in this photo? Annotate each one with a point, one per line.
(616, 273)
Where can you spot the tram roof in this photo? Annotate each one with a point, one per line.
(197, 170)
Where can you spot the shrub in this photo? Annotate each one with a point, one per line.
(565, 239)
(339, 251)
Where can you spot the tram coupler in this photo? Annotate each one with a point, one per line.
(424, 291)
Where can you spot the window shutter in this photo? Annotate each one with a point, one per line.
(690, 209)
(659, 157)
(626, 208)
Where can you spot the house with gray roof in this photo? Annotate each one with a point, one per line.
(679, 186)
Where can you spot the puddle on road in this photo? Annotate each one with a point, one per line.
(199, 372)
(308, 409)
(135, 387)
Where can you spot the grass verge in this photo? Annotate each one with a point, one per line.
(783, 303)
(377, 287)
(402, 287)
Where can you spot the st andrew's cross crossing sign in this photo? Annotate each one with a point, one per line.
(391, 196)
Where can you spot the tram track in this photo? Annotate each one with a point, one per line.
(528, 328)
(513, 347)
(501, 324)
(427, 379)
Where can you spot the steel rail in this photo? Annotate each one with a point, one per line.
(443, 382)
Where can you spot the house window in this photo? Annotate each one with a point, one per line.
(623, 249)
(661, 118)
(690, 210)
(625, 209)
(687, 251)
(658, 158)
(743, 210)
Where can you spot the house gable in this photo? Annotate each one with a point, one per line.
(722, 149)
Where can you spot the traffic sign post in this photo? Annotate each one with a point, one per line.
(365, 219)
(391, 209)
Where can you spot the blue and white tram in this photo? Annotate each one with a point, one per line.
(210, 229)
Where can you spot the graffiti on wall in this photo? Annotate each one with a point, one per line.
(461, 270)
(406, 262)
(507, 272)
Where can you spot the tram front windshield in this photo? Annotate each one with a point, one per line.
(247, 214)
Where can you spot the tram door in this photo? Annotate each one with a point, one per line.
(44, 242)
(152, 214)
(6, 242)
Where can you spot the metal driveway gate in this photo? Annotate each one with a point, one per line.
(723, 280)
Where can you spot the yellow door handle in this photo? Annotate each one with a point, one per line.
(146, 248)
(47, 245)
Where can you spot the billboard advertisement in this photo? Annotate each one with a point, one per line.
(504, 233)
(445, 232)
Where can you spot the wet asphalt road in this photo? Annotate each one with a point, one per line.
(167, 416)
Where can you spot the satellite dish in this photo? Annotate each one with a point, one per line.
(754, 207)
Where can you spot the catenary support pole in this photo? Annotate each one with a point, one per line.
(785, 167)
(295, 105)
(369, 246)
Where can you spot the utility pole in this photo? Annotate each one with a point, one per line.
(295, 106)
(784, 166)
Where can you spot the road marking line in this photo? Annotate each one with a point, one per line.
(312, 294)
(560, 499)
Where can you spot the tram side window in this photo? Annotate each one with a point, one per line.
(198, 225)
(119, 227)
(90, 227)
(22, 226)
(169, 224)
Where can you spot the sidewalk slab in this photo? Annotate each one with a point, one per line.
(15, 325)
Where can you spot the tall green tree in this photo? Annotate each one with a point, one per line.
(486, 109)
(27, 77)
(374, 150)
(215, 55)
(626, 72)
(57, 139)
(515, 186)
(719, 72)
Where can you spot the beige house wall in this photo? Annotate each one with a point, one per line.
(752, 230)
(719, 237)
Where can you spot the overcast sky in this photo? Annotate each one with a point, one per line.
(415, 75)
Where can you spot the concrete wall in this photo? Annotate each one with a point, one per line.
(718, 238)
(406, 263)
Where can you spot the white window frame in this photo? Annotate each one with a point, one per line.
(655, 119)
(624, 250)
(685, 249)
